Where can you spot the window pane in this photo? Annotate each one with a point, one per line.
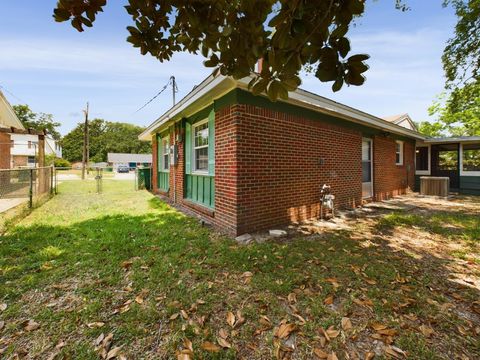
(471, 157)
(201, 159)
(421, 155)
(447, 160)
(165, 161)
(397, 158)
(201, 135)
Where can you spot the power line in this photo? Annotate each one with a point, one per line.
(12, 94)
(170, 81)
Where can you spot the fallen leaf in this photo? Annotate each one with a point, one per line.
(126, 264)
(427, 331)
(332, 333)
(346, 324)
(2, 324)
(113, 353)
(223, 333)
(223, 343)
(320, 353)
(97, 324)
(332, 356)
(31, 325)
(292, 298)
(3, 306)
(231, 319)
(188, 344)
(284, 330)
(208, 346)
(240, 319)
(369, 355)
(328, 300)
(184, 314)
(99, 339)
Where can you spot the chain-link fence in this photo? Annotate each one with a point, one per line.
(30, 185)
(98, 180)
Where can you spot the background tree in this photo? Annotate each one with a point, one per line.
(105, 137)
(233, 35)
(435, 129)
(458, 109)
(37, 121)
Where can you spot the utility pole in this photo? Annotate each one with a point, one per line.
(85, 144)
(174, 88)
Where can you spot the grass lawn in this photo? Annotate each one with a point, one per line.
(123, 273)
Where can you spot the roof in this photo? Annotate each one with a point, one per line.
(127, 158)
(453, 139)
(214, 87)
(402, 120)
(8, 118)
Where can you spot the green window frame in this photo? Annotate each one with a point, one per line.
(165, 154)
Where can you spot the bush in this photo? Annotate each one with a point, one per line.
(59, 162)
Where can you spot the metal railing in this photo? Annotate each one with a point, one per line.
(28, 185)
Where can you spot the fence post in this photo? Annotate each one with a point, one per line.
(30, 193)
(52, 168)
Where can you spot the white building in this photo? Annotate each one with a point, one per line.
(24, 149)
(131, 160)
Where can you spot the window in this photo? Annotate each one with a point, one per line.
(421, 158)
(31, 161)
(399, 152)
(471, 157)
(200, 146)
(165, 153)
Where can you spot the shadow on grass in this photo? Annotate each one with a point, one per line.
(180, 262)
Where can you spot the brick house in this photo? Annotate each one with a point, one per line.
(8, 121)
(246, 164)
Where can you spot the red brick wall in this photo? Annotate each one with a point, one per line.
(227, 170)
(4, 151)
(280, 170)
(19, 160)
(390, 179)
(269, 167)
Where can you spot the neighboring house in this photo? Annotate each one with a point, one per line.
(245, 163)
(131, 160)
(402, 120)
(24, 149)
(8, 120)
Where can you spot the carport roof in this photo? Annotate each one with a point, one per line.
(129, 158)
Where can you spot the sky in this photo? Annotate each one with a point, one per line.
(55, 69)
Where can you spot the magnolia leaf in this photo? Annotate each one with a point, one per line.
(223, 343)
(210, 347)
(346, 324)
(230, 319)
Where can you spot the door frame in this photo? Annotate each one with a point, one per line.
(370, 140)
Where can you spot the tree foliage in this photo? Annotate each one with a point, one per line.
(104, 137)
(461, 56)
(459, 110)
(233, 35)
(434, 129)
(37, 121)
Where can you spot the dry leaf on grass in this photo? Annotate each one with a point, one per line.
(31, 325)
(332, 356)
(328, 300)
(427, 331)
(114, 353)
(97, 324)
(2, 324)
(395, 352)
(210, 347)
(3, 307)
(223, 343)
(231, 319)
(319, 353)
(284, 330)
(346, 324)
(369, 355)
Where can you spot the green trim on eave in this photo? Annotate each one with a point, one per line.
(240, 96)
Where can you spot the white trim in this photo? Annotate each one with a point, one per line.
(194, 160)
(371, 168)
(163, 169)
(429, 170)
(401, 143)
(460, 163)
